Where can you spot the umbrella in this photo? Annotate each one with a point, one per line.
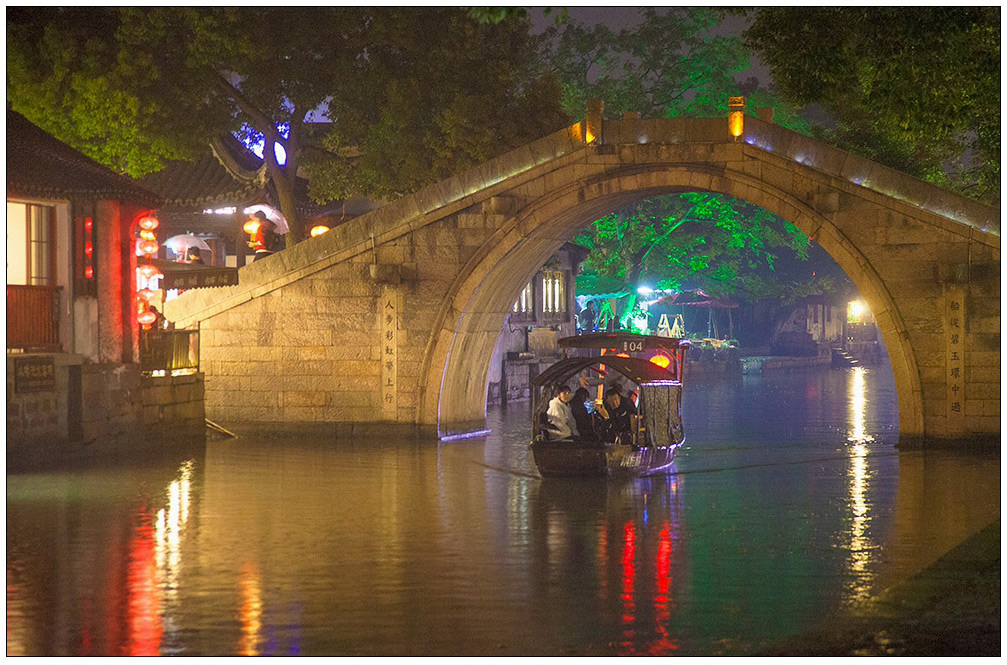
(272, 214)
(181, 243)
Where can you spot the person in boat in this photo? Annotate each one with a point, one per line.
(559, 416)
(613, 420)
(585, 423)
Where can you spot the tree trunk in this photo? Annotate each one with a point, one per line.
(284, 179)
(288, 203)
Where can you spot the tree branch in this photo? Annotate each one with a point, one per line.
(263, 122)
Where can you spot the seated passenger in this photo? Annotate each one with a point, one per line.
(585, 424)
(612, 419)
(560, 417)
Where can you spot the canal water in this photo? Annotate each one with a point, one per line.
(788, 501)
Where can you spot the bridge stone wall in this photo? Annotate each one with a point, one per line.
(387, 323)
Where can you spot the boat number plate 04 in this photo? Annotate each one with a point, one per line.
(630, 347)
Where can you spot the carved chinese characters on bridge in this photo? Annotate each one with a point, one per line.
(388, 311)
(954, 327)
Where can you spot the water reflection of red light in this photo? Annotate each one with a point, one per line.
(662, 597)
(628, 579)
(144, 611)
(603, 563)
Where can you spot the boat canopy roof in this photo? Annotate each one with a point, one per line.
(636, 370)
(624, 341)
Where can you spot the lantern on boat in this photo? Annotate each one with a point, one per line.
(661, 360)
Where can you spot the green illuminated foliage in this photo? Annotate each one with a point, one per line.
(716, 242)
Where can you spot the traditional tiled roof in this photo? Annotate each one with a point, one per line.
(39, 165)
(227, 173)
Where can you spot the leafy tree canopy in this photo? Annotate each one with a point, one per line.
(671, 64)
(917, 89)
(719, 243)
(412, 95)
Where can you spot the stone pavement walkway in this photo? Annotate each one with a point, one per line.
(951, 608)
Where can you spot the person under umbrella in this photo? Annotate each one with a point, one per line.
(264, 238)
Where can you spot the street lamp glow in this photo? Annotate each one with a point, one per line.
(644, 290)
(855, 311)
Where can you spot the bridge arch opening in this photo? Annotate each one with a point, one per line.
(457, 362)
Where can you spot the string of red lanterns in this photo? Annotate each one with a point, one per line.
(147, 273)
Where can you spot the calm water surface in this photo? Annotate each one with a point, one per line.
(788, 501)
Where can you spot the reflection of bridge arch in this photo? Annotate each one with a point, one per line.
(491, 283)
(306, 333)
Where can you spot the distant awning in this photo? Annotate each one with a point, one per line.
(194, 276)
(695, 298)
(596, 286)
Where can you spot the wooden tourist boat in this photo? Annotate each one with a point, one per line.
(653, 365)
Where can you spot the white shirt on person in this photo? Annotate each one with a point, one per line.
(561, 418)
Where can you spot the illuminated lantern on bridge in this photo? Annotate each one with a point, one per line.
(736, 116)
(318, 230)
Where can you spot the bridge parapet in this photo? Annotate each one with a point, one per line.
(813, 154)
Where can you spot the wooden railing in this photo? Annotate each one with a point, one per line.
(33, 317)
(167, 352)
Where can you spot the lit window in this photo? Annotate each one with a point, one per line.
(553, 292)
(30, 244)
(525, 303)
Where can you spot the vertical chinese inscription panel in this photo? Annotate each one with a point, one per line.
(388, 310)
(954, 329)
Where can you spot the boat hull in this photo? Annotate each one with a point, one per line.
(557, 459)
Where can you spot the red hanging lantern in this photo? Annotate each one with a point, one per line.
(145, 294)
(148, 247)
(146, 318)
(148, 223)
(150, 271)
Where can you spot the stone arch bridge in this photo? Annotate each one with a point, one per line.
(387, 323)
